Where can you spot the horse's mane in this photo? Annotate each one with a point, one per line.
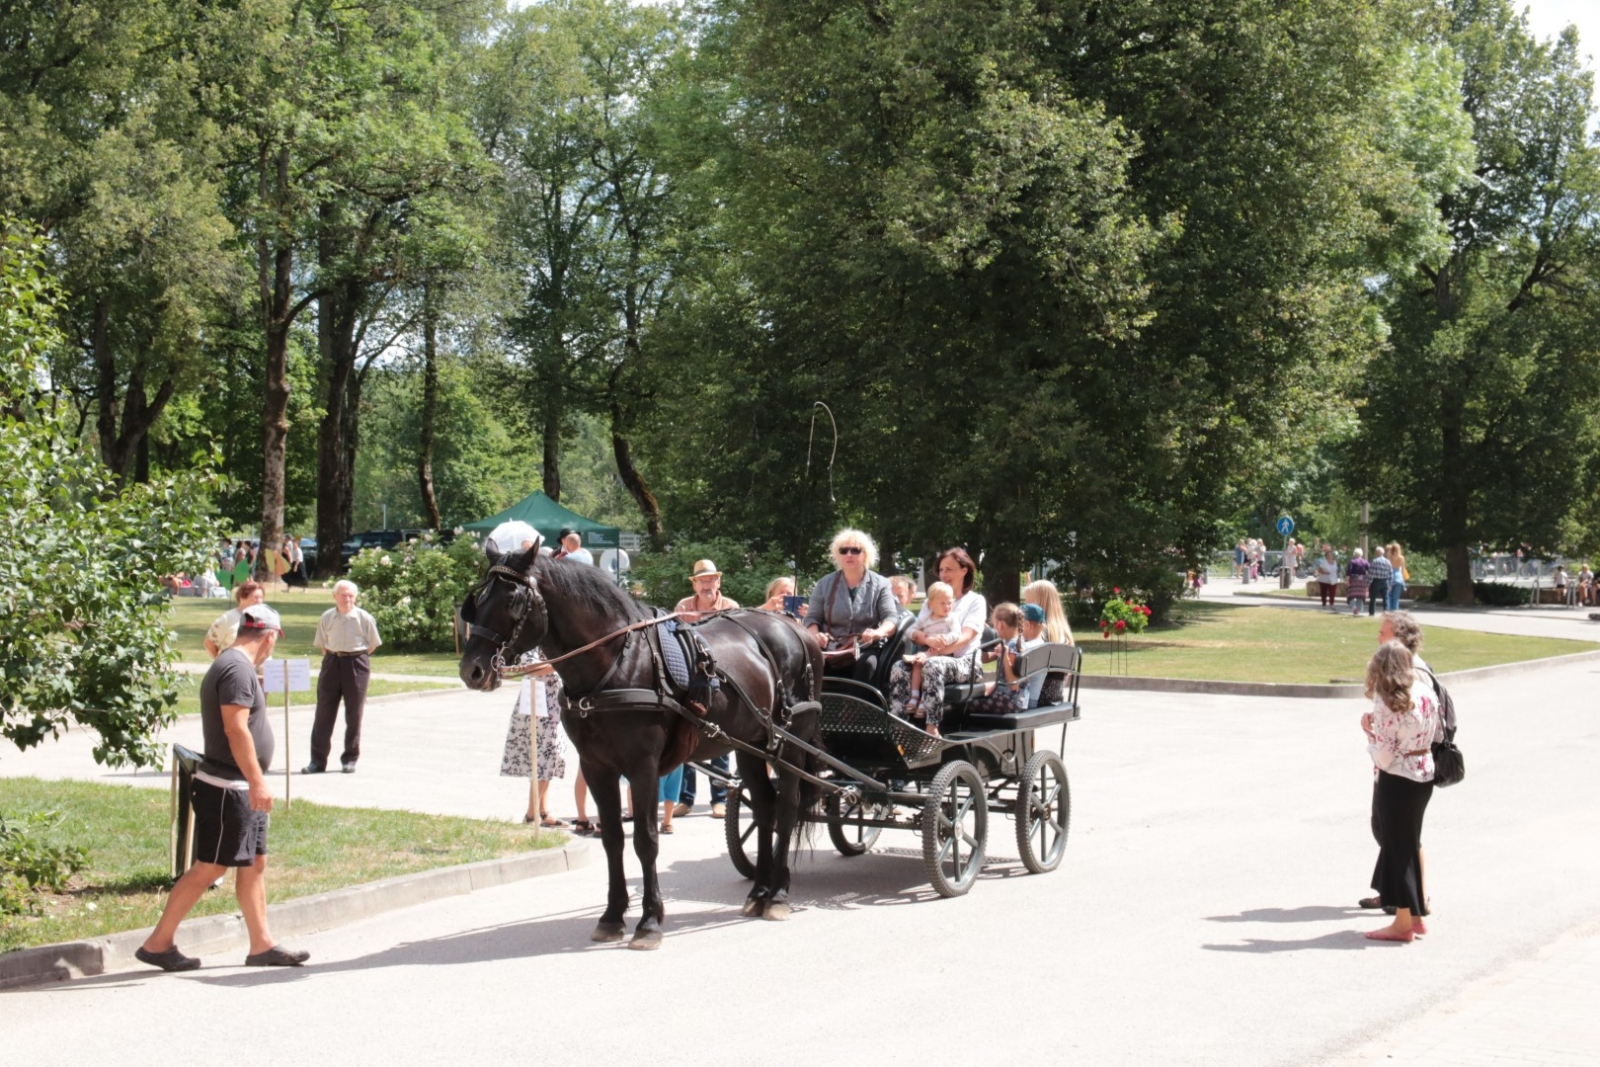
(589, 584)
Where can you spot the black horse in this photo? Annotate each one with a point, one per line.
(621, 725)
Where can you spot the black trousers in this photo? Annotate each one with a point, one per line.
(1380, 589)
(1398, 805)
(343, 677)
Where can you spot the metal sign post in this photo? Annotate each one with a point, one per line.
(286, 676)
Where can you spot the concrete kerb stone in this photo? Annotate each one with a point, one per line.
(1338, 692)
(215, 934)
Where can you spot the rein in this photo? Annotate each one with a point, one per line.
(517, 672)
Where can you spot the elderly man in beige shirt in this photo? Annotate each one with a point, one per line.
(347, 636)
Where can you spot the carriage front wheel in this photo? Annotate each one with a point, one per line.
(955, 828)
(847, 826)
(1044, 812)
(739, 825)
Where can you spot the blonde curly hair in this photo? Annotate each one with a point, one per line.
(1390, 674)
(848, 536)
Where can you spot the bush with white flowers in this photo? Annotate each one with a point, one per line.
(412, 589)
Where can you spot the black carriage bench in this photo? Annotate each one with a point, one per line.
(950, 783)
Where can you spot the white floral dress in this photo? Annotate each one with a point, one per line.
(515, 761)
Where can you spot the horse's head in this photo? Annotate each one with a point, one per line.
(504, 615)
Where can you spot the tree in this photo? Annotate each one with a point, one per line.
(1469, 433)
(83, 633)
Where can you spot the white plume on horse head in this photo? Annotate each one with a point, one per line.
(511, 537)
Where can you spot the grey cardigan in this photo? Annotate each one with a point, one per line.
(833, 611)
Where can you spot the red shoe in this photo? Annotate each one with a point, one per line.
(1419, 928)
(1387, 934)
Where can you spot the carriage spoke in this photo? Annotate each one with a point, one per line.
(944, 849)
(970, 840)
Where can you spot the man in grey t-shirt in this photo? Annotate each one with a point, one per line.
(231, 800)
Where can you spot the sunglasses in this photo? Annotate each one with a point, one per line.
(849, 550)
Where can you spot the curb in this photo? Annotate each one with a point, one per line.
(1335, 692)
(215, 934)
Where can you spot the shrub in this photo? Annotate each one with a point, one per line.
(413, 588)
(1489, 594)
(662, 578)
(29, 863)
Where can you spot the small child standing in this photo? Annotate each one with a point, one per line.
(940, 598)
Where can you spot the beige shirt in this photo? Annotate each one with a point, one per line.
(692, 609)
(355, 632)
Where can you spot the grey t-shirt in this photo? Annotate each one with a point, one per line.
(232, 680)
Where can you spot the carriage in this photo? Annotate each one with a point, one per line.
(885, 773)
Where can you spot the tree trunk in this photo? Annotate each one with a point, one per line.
(276, 279)
(430, 405)
(352, 445)
(552, 451)
(1458, 571)
(1002, 580)
(636, 485)
(335, 335)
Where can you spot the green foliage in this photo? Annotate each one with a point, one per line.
(412, 590)
(662, 578)
(1470, 429)
(83, 638)
(1489, 594)
(1122, 613)
(29, 862)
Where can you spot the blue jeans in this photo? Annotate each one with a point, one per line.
(670, 784)
(1379, 591)
(719, 792)
(1391, 600)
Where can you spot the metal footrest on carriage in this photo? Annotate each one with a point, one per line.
(856, 730)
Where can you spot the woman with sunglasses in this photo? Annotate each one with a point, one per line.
(853, 609)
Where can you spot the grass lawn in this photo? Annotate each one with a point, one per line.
(192, 617)
(314, 848)
(1224, 642)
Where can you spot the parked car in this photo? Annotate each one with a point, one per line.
(369, 539)
(308, 551)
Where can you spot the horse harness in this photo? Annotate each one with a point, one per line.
(685, 672)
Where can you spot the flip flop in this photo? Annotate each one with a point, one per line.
(1387, 934)
(555, 824)
(666, 829)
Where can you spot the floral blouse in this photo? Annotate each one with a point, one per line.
(1403, 741)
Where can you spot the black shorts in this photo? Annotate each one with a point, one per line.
(226, 831)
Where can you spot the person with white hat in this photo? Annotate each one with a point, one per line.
(231, 800)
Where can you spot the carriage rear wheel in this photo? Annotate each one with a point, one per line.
(1044, 812)
(851, 835)
(739, 825)
(955, 828)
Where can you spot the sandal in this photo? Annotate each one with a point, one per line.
(550, 822)
(666, 829)
(1373, 903)
(583, 828)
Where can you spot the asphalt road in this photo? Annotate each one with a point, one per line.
(1204, 915)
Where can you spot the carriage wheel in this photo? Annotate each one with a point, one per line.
(739, 825)
(1044, 812)
(850, 834)
(955, 828)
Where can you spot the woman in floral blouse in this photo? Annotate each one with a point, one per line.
(1400, 730)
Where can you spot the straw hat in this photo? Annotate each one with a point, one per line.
(703, 568)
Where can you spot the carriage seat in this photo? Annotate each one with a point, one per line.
(1058, 699)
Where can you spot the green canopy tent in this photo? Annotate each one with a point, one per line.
(550, 518)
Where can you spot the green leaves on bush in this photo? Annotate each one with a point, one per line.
(29, 863)
(412, 589)
(662, 578)
(83, 630)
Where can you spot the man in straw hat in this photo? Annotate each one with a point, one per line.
(231, 800)
(707, 582)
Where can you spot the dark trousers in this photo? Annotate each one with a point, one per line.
(1379, 590)
(343, 677)
(719, 792)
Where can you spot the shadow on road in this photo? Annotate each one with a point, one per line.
(1309, 914)
(1343, 940)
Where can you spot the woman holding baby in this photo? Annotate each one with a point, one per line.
(947, 648)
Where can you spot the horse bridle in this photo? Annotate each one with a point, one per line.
(520, 611)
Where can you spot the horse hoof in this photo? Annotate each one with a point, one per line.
(777, 911)
(646, 940)
(608, 931)
(752, 907)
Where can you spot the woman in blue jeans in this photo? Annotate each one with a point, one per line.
(1397, 584)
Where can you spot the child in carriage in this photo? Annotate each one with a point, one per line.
(1020, 629)
(941, 596)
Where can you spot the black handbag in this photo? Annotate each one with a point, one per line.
(1449, 765)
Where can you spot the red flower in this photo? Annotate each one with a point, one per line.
(1116, 589)
(1105, 633)
(1121, 626)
